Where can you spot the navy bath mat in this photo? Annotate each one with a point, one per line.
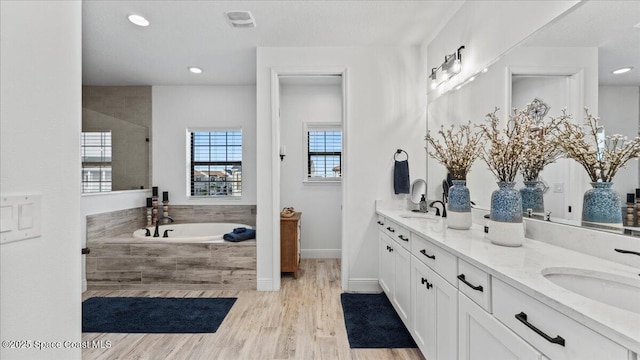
(154, 315)
(372, 322)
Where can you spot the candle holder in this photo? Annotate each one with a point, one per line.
(149, 211)
(154, 200)
(165, 212)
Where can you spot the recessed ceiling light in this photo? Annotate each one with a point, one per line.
(138, 20)
(622, 70)
(195, 69)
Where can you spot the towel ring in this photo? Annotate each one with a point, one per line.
(398, 152)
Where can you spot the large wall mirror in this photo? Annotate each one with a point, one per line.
(116, 128)
(568, 63)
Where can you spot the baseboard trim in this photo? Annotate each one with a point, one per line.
(265, 285)
(320, 253)
(364, 285)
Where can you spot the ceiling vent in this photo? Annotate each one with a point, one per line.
(241, 19)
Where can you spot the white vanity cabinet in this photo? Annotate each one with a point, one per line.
(434, 311)
(402, 284)
(483, 337)
(456, 308)
(385, 264)
(554, 334)
(394, 272)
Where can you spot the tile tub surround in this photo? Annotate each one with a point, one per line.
(241, 214)
(115, 223)
(521, 268)
(118, 261)
(122, 222)
(123, 263)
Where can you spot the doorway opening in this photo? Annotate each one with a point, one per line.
(310, 138)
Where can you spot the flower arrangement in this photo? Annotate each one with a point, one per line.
(507, 151)
(460, 149)
(541, 147)
(600, 156)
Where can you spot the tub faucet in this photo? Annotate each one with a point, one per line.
(444, 208)
(157, 232)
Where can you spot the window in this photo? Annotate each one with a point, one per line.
(96, 161)
(324, 152)
(216, 163)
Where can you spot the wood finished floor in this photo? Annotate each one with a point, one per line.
(303, 320)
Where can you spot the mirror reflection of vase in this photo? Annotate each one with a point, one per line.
(459, 206)
(602, 205)
(505, 218)
(532, 197)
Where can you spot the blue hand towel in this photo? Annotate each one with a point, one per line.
(239, 230)
(241, 236)
(401, 177)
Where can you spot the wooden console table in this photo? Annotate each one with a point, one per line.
(290, 244)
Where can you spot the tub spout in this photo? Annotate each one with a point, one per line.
(157, 232)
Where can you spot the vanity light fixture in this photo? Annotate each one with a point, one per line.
(138, 20)
(451, 66)
(195, 69)
(622, 70)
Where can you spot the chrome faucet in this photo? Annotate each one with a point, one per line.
(157, 232)
(444, 208)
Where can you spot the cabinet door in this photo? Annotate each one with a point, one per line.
(434, 313)
(482, 337)
(402, 282)
(385, 264)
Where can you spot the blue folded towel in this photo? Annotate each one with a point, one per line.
(242, 235)
(239, 230)
(401, 177)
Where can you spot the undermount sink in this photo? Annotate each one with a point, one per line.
(612, 289)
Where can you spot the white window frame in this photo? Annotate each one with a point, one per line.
(319, 126)
(99, 164)
(188, 174)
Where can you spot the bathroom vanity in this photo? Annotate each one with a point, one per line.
(462, 297)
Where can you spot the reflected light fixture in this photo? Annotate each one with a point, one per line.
(451, 66)
(622, 70)
(138, 20)
(195, 69)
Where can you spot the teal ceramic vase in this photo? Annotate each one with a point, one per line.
(532, 197)
(602, 205)
(506, 203)
(505, 225)
(459, 206)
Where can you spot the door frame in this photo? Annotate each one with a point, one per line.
(275, 162)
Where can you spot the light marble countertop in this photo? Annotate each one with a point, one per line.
(521, 268)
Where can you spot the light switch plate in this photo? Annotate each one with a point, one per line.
(21, 217)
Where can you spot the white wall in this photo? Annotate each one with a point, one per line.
(320, 202)
(177, 108)
(619, 112)
(488, 29)
(40, 118)
(385, 111)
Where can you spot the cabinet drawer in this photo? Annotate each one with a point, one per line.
(440, 260)
(397, 233)
(474, 283)
(554, 334)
